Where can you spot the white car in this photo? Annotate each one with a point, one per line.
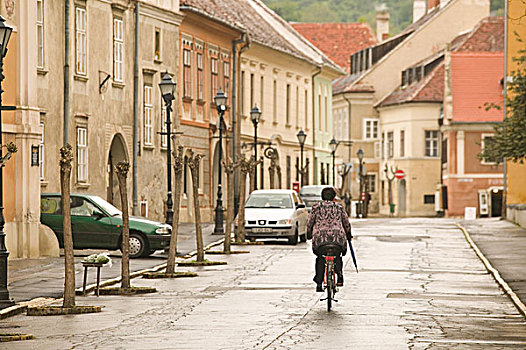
(276, 214)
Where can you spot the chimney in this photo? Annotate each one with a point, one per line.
(431, 4)
(419, 9)
(382, 22)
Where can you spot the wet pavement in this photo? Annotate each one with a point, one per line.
(420, 286)
(32, 278)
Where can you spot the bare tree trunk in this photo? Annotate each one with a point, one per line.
(244, 169)
(271, 170)
(178, 172)
(66, 157)
(122, 169)
(278, 173)
(193, 163)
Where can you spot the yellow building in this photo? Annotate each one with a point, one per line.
(516, 172)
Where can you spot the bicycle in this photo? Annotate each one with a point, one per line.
(329, 283)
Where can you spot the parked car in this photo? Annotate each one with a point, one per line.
(96, 224)
(311, 194)
(276, 214)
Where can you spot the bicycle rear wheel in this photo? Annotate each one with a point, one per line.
(330, 285)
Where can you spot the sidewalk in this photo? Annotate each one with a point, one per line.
(33, 278)
(504, 245)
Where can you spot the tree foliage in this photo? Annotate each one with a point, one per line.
(509, 141)
(321, 11)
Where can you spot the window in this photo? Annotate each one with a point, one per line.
(242, 93)
(429, 199)
(82, 154)
(148, 116)
(306, 107)
(370, 182)
(40, 33)
(275, 102)
(402, 143)
(164, 137)
(118, 50)
(487, 139)
(252, 90)
(319, 112)
(41, 153)
(200, 77)
(157, 48)
(262, 91)
(287, 110)
(326, 114)
(80, 40)
(371, 128)
(187, 73)
(390, 145)
(377, 150)
(444, 151)
(226, 75)
(297, 106)
(213, 77)
(431, 143)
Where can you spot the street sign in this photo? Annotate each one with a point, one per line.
(399, 174)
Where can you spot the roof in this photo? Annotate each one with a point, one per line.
(486, 37)
(263, 26)
(338, 40)
(383, 48)
(429, 89)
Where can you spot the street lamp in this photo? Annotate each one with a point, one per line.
(220, 102)
(301, 138)
(255, 115)
(5, 301)
(167, 87)
(334, 145)
(360, 174)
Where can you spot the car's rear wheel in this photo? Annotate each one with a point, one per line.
(138, 245)
(294, 239)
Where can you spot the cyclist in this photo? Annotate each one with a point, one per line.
(328, 224)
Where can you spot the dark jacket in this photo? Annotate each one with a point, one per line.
(328, 224)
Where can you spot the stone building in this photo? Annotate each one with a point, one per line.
(375, 74)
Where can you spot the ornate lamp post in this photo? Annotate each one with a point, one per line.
(360, 174)
(255, 115)
(5, 301)
(334, 145)
(301, 139)
(220, 102)
(167, 87)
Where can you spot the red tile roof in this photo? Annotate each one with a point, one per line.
(338, 40)
(486, 37)
(429, 89)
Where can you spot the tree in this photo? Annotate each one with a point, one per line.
(230, 169)
(193, 163)
(178, 171)
(122, 169)
(66, 157)
(509, 141)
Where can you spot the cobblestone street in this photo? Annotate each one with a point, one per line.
(420, 286)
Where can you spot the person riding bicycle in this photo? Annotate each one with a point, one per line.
(328, 224)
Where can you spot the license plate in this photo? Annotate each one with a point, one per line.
(262, 229)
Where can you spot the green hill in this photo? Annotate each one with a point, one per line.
(401, 11)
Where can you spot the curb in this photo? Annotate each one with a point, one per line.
(22, 307)
(494, 272)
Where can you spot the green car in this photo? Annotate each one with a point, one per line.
(96, 224)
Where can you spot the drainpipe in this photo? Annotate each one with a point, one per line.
(66, 73)
(505, 86)
(314, 119)
(136, 110)
(236, 131)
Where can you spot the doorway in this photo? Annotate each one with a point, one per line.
(401, 197)
(496, 202)
(117, 154)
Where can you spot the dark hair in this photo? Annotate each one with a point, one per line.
(328, 194)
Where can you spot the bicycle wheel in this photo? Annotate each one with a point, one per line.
(330, 285)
